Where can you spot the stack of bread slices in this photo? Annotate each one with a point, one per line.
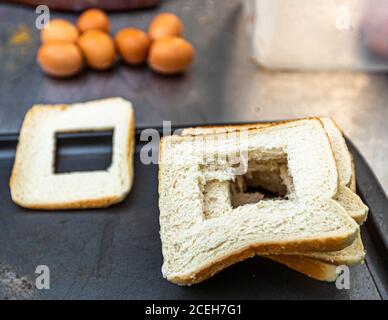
(290, 197)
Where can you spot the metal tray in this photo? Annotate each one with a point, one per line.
(115, 253)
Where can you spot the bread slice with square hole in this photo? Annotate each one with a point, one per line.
(354, 253)
(195, 246)
(35, 185)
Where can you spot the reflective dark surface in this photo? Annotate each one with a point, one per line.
(223, 85)
(116, 253)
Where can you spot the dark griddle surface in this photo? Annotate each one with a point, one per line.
(116, 252)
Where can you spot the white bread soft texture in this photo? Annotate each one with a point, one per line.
(349, 200)
(345, 165)
(340, 150)
(321, 265)
(313, 268)
(35, 185)
(196, 246)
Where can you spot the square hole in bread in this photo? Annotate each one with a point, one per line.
(268, 179)
(83, 151)
(264, 180)
(101, 171)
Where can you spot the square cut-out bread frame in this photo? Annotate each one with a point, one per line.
(34, 183)
(196, 244)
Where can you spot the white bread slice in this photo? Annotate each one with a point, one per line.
(349, 200)
(344, 160)
(352, 204)
(313, 268)
(340, 150)
(216, 194)
(346, 195)
(195, 247)
(322, 266)
(33, 182)
(351, 255)
(352, 185)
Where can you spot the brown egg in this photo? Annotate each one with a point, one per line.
(60, 59)
(98, 48)
(93, 19)
(165, 24)
(170, 55)
(59, 30)
(133, 45)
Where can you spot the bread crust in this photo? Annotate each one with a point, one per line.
(360, 218)
(247, 126)
(207, 271)
(327, 244)
(101, 202)
(353, 181)
(314, 268)
(84, 204)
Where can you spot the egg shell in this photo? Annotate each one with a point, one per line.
(98, 48)
(59, 30)
(170, 55)
(93, 19)
(165, 24)
(60, 59)
(133, 45)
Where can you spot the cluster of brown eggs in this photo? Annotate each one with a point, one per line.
(66, 48)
